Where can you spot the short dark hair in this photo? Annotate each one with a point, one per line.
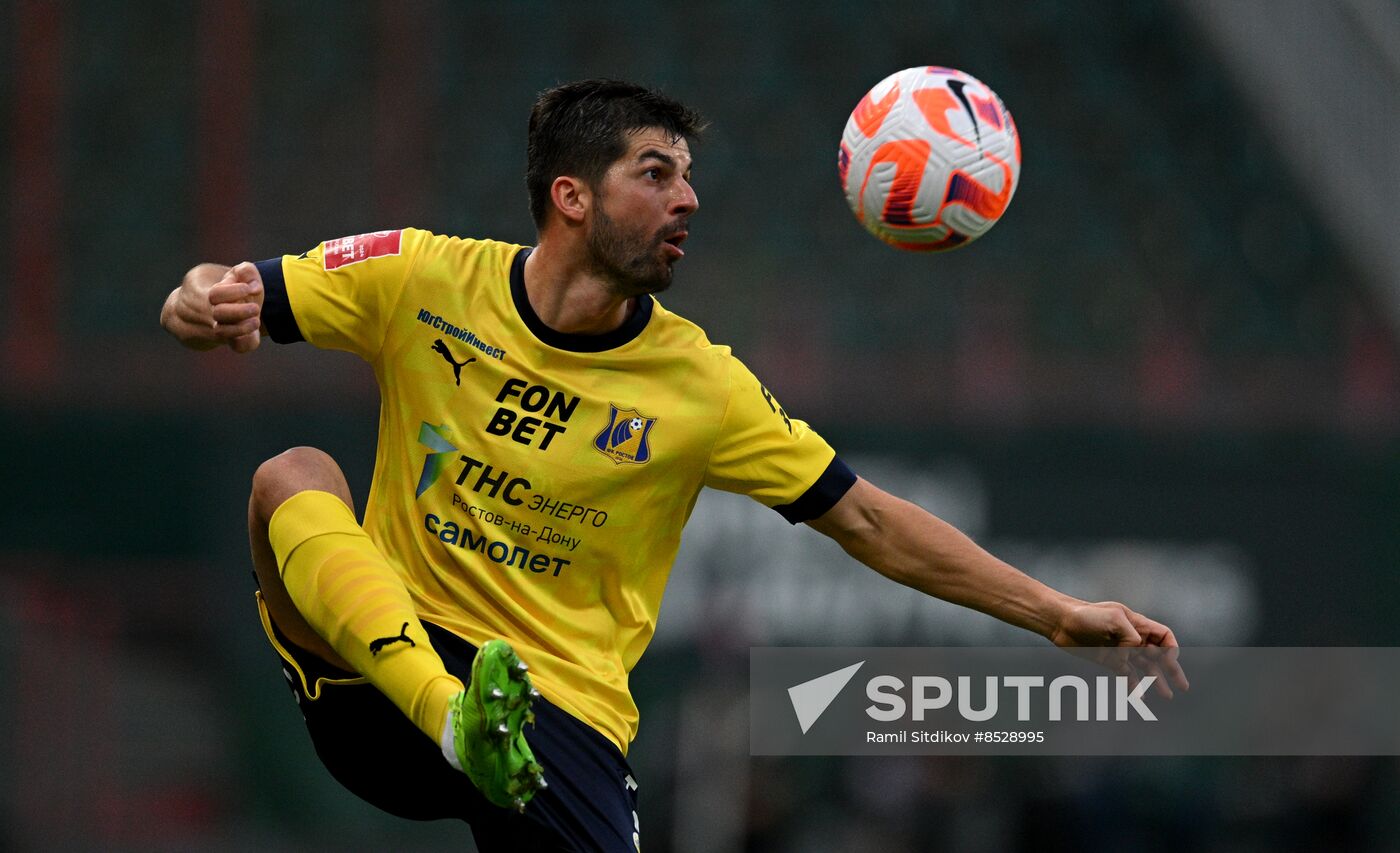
(579, 129)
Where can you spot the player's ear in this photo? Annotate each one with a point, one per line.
(571, 197)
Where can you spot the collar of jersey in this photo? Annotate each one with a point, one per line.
(561, 340)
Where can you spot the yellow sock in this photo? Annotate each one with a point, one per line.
(356, 601)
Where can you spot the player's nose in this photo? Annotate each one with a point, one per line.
(684, 201)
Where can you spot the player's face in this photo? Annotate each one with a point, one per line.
(644, 203)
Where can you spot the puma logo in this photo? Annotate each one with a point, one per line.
(441, 348)
(376, 646)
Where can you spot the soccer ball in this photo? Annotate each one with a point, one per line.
(929, 159)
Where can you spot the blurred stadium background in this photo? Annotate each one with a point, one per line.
(1170, 375)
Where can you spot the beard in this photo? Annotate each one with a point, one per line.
(630, 260)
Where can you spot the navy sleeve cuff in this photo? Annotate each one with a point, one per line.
(277, 308)
(829, 488)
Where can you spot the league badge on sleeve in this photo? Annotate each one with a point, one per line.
(624, 439)
(351, 250)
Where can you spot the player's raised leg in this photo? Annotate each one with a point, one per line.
(330, 590)
(340, 587)
(275, 481)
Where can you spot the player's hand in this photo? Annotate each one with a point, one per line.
(1127, 642)
(235, 308)
(216, 306)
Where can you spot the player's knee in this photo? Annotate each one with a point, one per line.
(297, 470)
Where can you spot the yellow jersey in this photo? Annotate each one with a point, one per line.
(529, 484)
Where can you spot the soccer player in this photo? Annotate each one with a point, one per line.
(545, 428)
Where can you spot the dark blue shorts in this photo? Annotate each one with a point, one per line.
(377, 753)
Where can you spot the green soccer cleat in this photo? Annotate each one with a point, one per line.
(488, 720)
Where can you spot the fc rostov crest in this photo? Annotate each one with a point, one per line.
(625, 438)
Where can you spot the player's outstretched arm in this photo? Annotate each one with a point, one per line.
(216, 306)
(908, 544)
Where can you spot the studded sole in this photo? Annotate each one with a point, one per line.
(495, 753)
